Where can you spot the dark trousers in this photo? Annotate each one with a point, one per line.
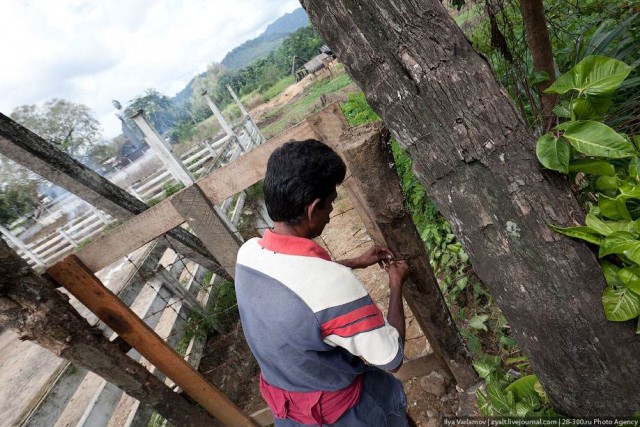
(382, 403)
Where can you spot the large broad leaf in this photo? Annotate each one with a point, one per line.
(629, 190)
(604, 183)
(523, 387)
(580, 232)
(594, 75)
(613, 208)
(631, 278)
(486, 365)
(593, 167)
(620, 304)
(597, 139)
(553, 153)
(590, 108)
(621, 242)
(611, 274)
(597, 225)
(630, 226)
(502, 402)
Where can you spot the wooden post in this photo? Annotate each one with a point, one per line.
(210, 226)
(163, 150)
(216, 112)
(369, 158)
(30, 305)
(237, 100)
(81, 283)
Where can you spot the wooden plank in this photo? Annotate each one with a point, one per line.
(368, 157)
(131, 235)
(250, 167)
(207, 222)
(84, 285)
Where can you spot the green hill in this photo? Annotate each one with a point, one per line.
(266, 42)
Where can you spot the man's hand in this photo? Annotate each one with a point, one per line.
(398, 272)
(375, 255)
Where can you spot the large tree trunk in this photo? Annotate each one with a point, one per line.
(474, 153)
(540, 47)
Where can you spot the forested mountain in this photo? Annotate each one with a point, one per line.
(266, 42)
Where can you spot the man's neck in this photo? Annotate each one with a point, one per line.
(286, 229)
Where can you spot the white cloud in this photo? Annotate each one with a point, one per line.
(91, 52)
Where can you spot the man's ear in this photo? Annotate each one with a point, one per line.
(312, 208)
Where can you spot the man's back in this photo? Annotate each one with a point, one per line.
(305, 317)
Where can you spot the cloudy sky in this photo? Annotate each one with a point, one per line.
(91, 52)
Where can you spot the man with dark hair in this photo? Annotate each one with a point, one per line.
(322, 344)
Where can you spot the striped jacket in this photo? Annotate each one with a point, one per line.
(308, 320)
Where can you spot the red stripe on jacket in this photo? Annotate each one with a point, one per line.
(362, 319)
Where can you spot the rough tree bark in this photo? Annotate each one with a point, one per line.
(30, 305)
(474, 153)
(368, 155)
(540, 46)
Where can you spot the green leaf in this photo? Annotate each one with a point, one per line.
(562, 111)
(611, 274)
(597, 225)
(593, 167)
(636, 141)
(630, 226)
(620, 304)
(631, 278)
(595, 76)
(477, 322)
(613, 208)
(604, 183)
(483, 403)
(486, 364)
(596, 139)
(621, 242)
(590, 108)
(580, 232)
(553, 153)
(523, 387)
(500, 401)
(629, 190)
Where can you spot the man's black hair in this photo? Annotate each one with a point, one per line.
(298, 173)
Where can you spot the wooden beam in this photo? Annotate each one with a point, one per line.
(84, 285)
(131, 235)
(206, 221)
(250, 167)
(368, 155)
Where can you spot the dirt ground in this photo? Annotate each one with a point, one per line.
(228, 363)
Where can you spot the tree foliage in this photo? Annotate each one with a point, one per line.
(72, 127)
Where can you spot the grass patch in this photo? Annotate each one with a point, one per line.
(277, 88)
(294, 113)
